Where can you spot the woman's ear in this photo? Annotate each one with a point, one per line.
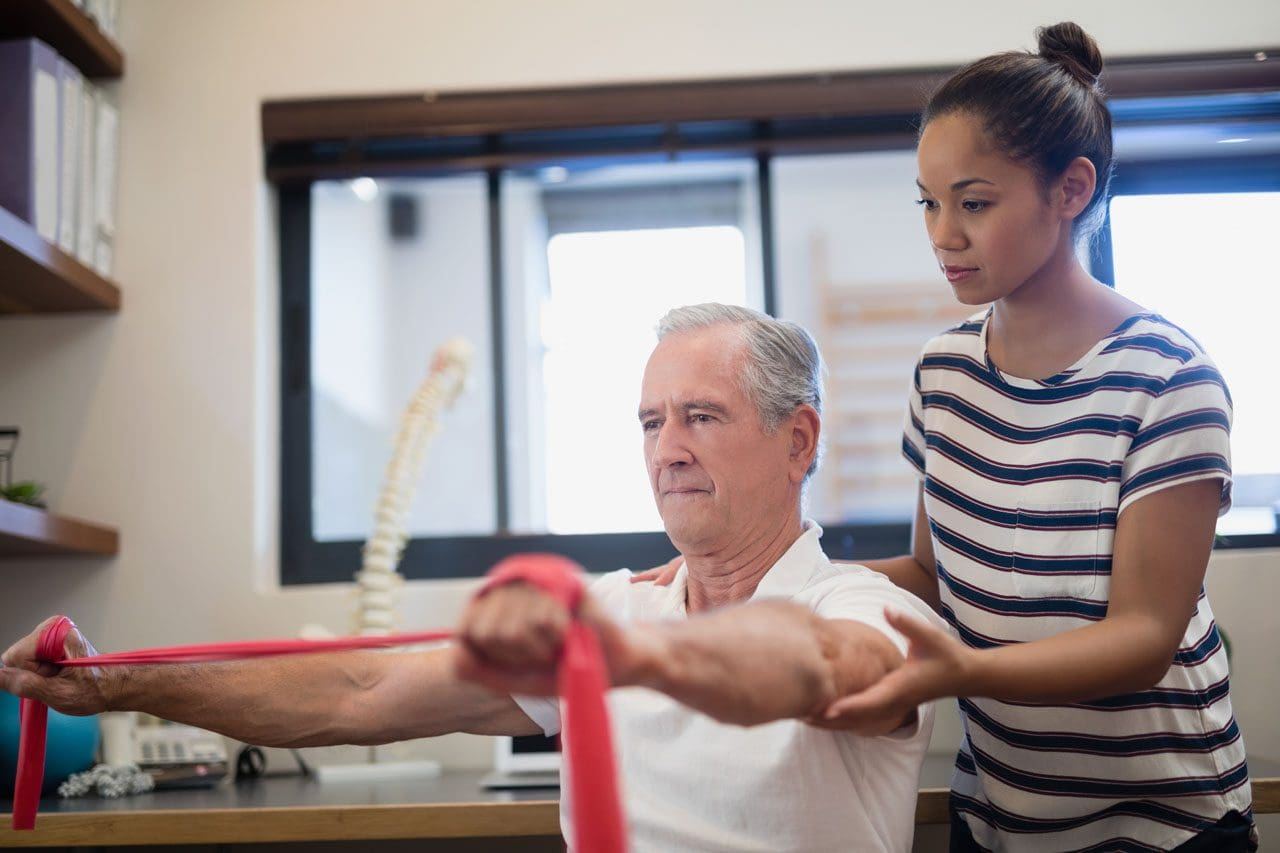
(1076, 186)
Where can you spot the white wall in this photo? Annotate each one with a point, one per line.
(162, 420)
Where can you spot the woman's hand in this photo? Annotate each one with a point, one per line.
(661, 575)
(936, 665)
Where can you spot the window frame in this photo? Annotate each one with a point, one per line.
(413, 135)
(305, 560)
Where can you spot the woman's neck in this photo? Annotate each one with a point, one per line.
(1053, 318)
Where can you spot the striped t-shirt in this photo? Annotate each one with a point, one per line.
(1023, 483)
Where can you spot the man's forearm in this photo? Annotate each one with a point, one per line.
(760, 662)
(315, 700)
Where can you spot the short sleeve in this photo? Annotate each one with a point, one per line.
(913, 429)
(1184, 436)
(861, 595)
(544, 711)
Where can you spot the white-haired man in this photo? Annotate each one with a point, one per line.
(723, 677)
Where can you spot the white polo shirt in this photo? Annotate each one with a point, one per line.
(690, 783)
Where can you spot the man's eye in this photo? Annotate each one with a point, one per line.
(701, 419)
(648, 426)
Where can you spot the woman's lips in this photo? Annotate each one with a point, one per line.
(955, 274)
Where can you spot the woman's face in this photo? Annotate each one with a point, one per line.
(990, 224)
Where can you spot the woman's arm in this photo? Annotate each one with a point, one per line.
(1161, 551)
(916, 572)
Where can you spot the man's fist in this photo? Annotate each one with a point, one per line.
(78, 691)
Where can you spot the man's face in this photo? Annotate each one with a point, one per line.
(717, 477)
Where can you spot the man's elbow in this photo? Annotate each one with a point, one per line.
(857, 656)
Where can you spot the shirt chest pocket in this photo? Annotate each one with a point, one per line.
(1055, 549)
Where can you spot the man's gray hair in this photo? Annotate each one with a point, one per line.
(783, 368)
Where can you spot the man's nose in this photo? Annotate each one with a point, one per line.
(669, 447)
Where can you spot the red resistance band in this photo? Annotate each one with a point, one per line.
(582, 680)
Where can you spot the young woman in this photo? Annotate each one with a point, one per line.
(1073, 450)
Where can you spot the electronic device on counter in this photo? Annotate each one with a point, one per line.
(532, 761)
(174, 755)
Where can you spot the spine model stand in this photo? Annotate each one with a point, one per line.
(378, 581)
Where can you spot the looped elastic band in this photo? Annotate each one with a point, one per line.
(582, 680)
(557, 576)
(33, 719)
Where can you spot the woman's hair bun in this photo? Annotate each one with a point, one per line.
(1071, 47)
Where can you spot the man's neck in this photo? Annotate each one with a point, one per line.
(732, 574)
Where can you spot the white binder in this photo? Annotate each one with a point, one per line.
(72, 85)
(86, 243)
(107, 133)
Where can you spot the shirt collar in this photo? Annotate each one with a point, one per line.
(793, 570)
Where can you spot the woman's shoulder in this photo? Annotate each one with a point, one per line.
(1163, 345)
(963, 337)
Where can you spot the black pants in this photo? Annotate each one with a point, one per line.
(1232, 834)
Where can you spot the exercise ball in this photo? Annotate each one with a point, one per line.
(70, 746)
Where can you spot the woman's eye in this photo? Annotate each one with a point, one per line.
(927, 203)
(975, 206)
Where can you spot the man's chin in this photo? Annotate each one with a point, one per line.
(684, 533)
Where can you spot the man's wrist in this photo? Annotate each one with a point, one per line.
(112, 684)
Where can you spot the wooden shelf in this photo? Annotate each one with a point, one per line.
(66, 29)
(26, 531)
(37, 277)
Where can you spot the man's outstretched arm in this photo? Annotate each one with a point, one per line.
(304, 700)
(762, 661)
(748, 664)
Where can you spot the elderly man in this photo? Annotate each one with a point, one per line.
(725, 675)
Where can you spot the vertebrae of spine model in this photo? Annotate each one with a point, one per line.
(377, 580)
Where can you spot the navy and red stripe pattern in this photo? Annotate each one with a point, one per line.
(1024, 484)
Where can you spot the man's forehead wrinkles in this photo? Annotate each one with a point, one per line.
(681, 402)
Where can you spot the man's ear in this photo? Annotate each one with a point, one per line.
(1076, 186)
(806, 429)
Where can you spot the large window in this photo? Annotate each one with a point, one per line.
(609, 250)
(555, 249)
(548, 446)
(385, 292)
(606, 288)
(1200, 254)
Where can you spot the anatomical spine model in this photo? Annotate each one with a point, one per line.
(378, 581)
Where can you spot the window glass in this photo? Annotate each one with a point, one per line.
(398, 267)
(1201, 260)
(598, 257)
(855, 267)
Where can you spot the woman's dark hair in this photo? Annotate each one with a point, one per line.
(1043, 109)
